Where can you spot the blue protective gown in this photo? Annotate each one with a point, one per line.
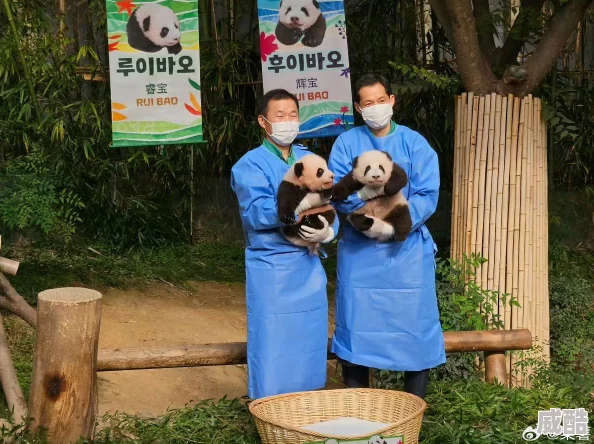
(386, 304)
(287, 305)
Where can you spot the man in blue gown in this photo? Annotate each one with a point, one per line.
(287, 306)
(386, 304)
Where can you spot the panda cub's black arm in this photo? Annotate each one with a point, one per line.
(397, 181)
(288, 199)
(345, 187)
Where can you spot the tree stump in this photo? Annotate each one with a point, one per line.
(63, 400)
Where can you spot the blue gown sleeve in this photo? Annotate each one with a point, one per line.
(256, 197)
(340, 163)
(424, 182)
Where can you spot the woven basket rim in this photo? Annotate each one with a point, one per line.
(253, 405)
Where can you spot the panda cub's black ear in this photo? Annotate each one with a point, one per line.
(298, 169)
(316, 4)
(355, 162)
(388, 155)
(146, 23)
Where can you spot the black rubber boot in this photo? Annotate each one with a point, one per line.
(355, 376)
(416, 383)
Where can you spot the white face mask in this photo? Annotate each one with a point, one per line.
(284, 133)
(377, 116)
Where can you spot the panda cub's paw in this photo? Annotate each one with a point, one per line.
(288, 219)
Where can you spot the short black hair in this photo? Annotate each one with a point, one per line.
(275, 94)
(370, 80)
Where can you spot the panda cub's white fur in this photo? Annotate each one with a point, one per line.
(152, 27)
(387, 215)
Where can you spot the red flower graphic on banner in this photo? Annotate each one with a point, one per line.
(113, 46)
(126, 5)
(267, 45)
(337, 121)
(344, 109)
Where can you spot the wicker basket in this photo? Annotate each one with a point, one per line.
(279, 418)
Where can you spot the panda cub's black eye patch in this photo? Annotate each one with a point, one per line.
(176, 27)
(320, 172)
(367, 170)
(382, 168)
(164, 32)
(305, 11)
(288, 10)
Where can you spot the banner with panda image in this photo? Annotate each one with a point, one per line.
(154, 59)
(303, 48)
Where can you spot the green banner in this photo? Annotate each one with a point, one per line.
(154, 59)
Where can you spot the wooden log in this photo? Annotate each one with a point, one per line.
(234, 353)
(495, 368)
(63, 400)
(13, 302)
(8, 266)
(10, 383)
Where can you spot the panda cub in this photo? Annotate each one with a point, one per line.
(308, 184)
(301, 18)
(152, 27)
(375, 169)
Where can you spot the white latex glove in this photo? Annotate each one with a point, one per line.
(380, 230)
(311, 200)
(324, 234)
(367, 193)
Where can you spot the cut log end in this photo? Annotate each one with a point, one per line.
(69, 295)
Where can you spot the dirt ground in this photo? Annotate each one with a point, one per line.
(162, 314)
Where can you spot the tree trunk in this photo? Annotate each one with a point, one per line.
(499, 208)
(63, 397)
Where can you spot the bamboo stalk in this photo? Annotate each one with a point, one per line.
(467, 118)
(538, 220)
(456, 182)
(495, 209)
(504, 198)
(482, 167)
(27, 73)
(476, 174)
(470, 172)
(488, 249)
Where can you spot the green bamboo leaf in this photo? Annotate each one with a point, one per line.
(194, 84)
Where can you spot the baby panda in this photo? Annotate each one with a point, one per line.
(376, 440)
(152, 27)
(306, 186)
(375, 169)
(301, 18)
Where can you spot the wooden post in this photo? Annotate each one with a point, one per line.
(10, 383)
(63, 399)
(496, 367)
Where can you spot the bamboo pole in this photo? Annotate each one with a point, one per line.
(486, 240)
(493, 182)
(504, 285)
(465, 154)
(456, 181)
(63, 399)
(470, 166)
(538, 220)
(476, 178)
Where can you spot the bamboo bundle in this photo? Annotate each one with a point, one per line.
(500, 208)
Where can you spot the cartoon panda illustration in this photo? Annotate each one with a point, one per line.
(301, 18)
(376, 440)
(152, 27)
